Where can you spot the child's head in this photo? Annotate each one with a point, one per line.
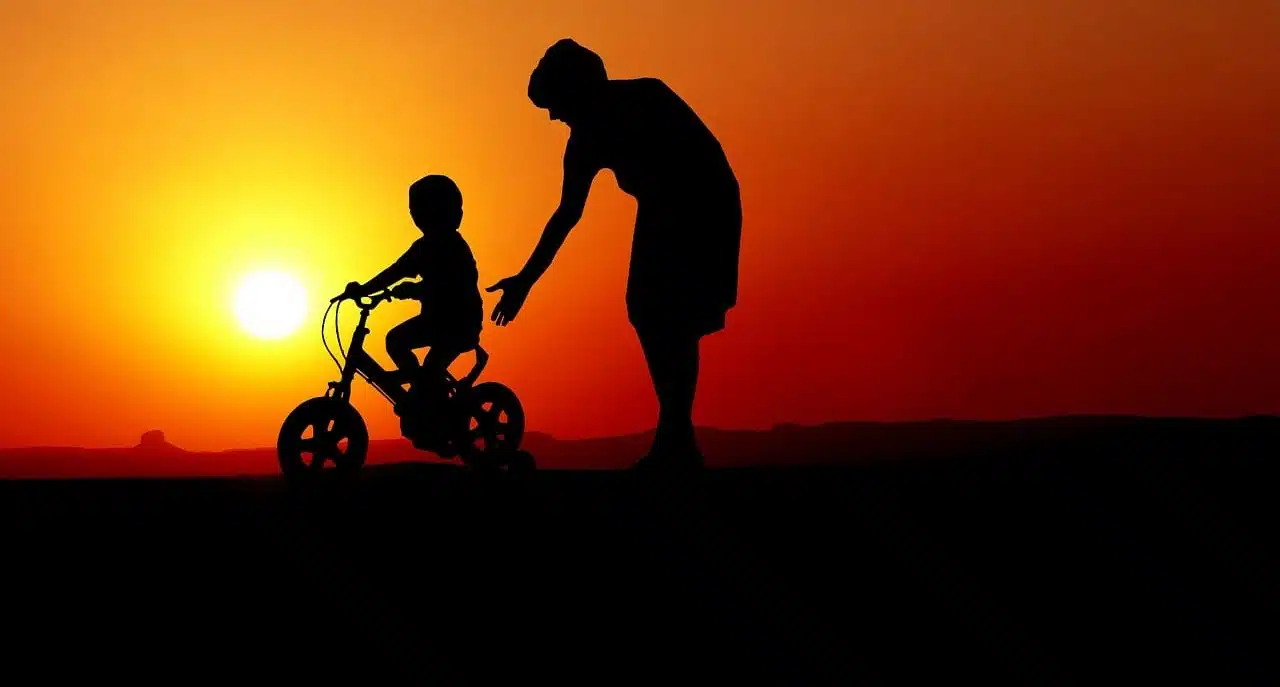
(435, 204)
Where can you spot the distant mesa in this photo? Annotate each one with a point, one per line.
(154, 443)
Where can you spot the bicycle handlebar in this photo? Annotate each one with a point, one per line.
(374, 299)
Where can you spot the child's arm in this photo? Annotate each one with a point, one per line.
(402, 268)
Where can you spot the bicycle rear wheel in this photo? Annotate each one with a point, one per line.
(495, 428)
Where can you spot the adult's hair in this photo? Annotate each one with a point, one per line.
(565, 69)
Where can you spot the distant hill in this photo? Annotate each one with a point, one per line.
(783, 445)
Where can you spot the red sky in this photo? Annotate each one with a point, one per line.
(989, 209)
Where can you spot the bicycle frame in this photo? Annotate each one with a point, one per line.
(387, 381)
(360, 362)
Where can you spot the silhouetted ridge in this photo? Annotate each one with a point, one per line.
(840, 443)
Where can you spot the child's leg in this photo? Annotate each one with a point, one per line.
(404, 338)
(437, 361)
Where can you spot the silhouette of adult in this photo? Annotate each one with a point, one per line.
(683, 273)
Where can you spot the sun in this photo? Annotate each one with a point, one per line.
(270, 305)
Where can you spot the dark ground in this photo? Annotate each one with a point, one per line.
(1070, 566)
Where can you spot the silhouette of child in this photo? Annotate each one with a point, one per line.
(452, 309)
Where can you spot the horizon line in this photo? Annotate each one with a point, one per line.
(703, 428)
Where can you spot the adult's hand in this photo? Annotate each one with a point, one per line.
(515, 290)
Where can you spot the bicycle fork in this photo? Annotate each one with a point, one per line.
(342, 388)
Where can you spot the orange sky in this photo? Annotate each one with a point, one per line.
(996, 208)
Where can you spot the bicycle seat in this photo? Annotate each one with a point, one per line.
(482, 359)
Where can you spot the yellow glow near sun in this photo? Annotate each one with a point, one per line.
(270, 305)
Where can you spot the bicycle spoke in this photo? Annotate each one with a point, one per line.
(337, 451)
(321, 431)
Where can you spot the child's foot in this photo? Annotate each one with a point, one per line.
(409, 407)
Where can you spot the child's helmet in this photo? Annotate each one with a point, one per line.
(435, 191)
(434, 200)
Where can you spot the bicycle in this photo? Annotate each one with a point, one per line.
(482, 425)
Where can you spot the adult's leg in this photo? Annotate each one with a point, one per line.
(675, 296)
(672, 358)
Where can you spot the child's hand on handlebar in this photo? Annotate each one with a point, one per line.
(405, 290)
(352, 291)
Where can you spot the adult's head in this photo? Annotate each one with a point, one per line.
(565, 80)
(435, 203)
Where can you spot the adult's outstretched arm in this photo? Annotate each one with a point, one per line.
(579, 173)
